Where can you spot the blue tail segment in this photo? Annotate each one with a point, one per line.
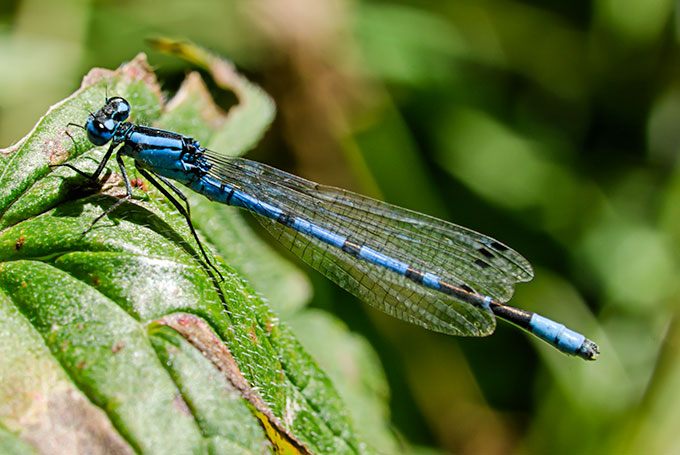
(562, 338)
(423, 270)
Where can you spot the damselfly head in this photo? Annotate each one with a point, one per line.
(102, 125)
(118, 107)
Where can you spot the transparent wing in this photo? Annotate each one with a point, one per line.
(456, 254)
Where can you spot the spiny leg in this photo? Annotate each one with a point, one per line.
(99, 169)
(128, 188)
(97, 173)
(185, 212)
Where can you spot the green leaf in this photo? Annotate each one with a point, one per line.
(10, 444)
(125, 322)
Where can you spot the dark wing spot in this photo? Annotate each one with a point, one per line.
(498, 246)
(486, 253)
(482, 264)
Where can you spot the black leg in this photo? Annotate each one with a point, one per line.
(128, 188)
(100, 168)
(186, 212)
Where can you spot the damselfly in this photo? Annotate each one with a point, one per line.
(412, 266)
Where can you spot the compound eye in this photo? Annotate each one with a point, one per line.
(100, 132)
(120, 108)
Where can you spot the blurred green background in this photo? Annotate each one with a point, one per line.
(549, 125)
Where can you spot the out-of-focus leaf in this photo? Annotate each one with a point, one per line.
(634, 263)
(638, 22)
(512, 171)
(408, 45)
(662, 132)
